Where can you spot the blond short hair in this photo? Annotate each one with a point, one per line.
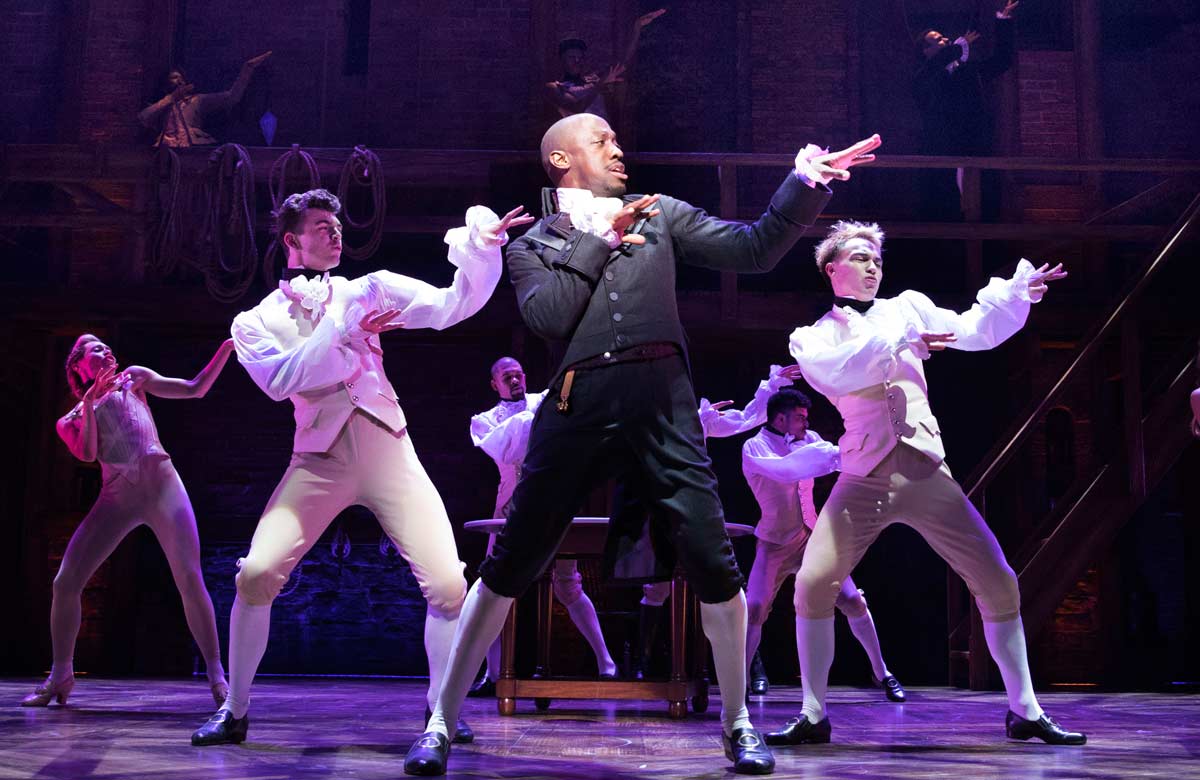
(842, 232)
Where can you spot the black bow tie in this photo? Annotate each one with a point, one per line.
(291, 273)
(859, 306)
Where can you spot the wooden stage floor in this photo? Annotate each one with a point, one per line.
(338, 728)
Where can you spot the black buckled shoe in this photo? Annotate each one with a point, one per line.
(463, 735)
(222, 729)
(749, 754)
(892, 688)
(428, 755)
(1044, 728)
(801, 731)
(484, 688)
(759, 684)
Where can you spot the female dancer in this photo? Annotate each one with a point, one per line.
(112, 424)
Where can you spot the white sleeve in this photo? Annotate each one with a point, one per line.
(807, 462)
(1000, 310)
(859, 362)
(324, 359)
(422, 305)
(731, 422)
(504, 443)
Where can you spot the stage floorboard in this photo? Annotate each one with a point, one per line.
(356, 728)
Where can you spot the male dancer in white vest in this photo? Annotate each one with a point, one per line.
(503, 433)
(780, 463)
(866, 356)
(315, 341)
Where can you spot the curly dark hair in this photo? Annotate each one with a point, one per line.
(287, 217)
(786, 400)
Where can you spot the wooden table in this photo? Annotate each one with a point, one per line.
(585, 539)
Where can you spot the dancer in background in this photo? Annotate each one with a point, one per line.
(780, 463)
(112, 424)
(503, 433)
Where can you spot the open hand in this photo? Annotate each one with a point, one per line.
(102, 384)
(494, 233)
(837, 165)
(1007, 11)
(254, 62)
(936, 342)
(719, 405)
(615, 75)
(633, 212)
(381, 320)
(645, 19)
(970, 36)
(1037, 282)
(791, 372)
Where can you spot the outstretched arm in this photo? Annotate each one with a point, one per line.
(719, 422)
(154, 383)
(642, 23)
(1000, 310)
(474, 250)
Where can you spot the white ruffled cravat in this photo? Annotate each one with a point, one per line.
(312, 295)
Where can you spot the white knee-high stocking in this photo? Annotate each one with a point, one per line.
(439, 636)
(814, 645)
(249, 628)
(479, 624)
(725, 626)
(1006, 641)
(863, 628)
(583, 615)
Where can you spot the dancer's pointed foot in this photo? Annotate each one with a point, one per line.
(892, 688)
(428, 755)
(749, 754)
(44, 693)
(1044, 728)
(222, 729)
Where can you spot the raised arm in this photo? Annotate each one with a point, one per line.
(808, 461)
(732, 246)
(154, 383)
(1000, 309)
(474, 250)
(231, 97)
(719, 422)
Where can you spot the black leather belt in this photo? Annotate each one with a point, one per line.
(651, 351)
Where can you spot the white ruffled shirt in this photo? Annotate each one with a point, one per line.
(870, 365)
(327, 364)
(780, 471)
(503, 433)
